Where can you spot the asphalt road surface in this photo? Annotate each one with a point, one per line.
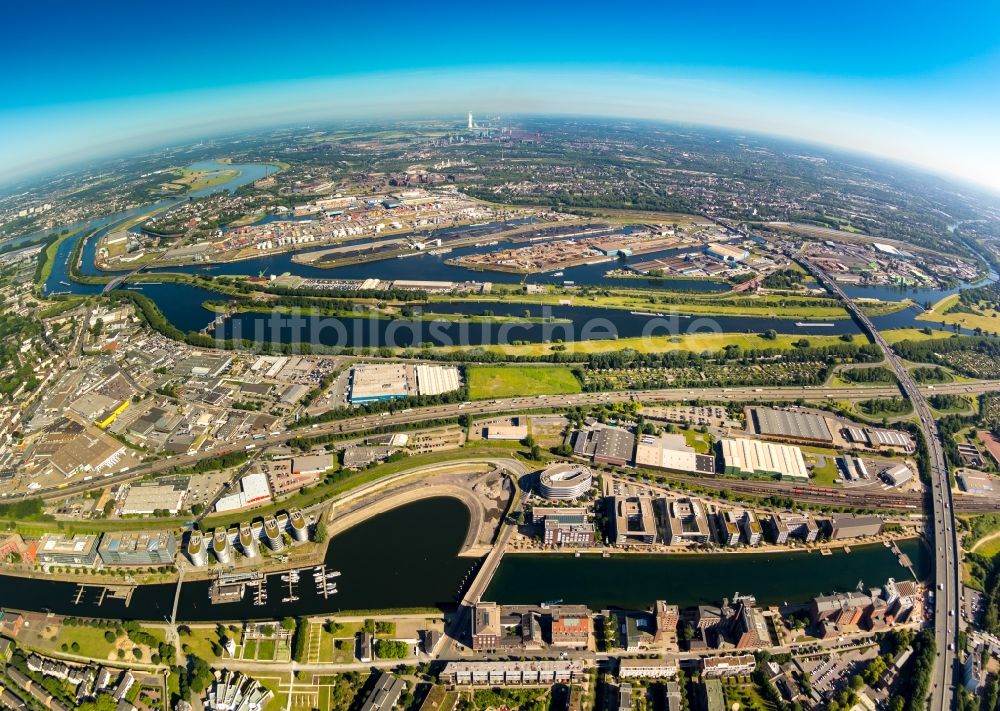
(946, 560)
(494, 407)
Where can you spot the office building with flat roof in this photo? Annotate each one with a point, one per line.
(138, 548)
(507, 432)
(853, 526)
(570, 629)
(309, 464)
(687, 522)
(78, 551)
(557, 533)
(632, 520)
(785, 525)
(565, 481)
(727, 528)
(734, 665)
(564, 526)
(751, 528)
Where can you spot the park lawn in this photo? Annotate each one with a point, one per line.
(348, 629)
(200, 642)
(266, 649)
(487, 382)
(895, 335)
(330, 652)
(745, 697)
(282, 651)
(696, 343)
(91, 641)
(985, 318)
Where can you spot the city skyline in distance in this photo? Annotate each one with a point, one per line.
(913, 87)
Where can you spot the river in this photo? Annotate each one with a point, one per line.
(181, 303)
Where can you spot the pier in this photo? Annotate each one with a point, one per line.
(115, 592)
(323, 578)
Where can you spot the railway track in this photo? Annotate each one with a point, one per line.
(861, 497)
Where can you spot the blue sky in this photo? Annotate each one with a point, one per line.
(912, 81)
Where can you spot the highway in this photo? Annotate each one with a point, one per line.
(946, 560)
(415, 416)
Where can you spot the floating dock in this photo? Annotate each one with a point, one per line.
(115, 592)
(231, 587)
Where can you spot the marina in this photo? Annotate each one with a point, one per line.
(389, 559)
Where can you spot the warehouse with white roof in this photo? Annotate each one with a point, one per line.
(751, 457)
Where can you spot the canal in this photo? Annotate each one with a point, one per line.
(408, 558)
(637, 581)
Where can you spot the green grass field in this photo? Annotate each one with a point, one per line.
(983, 317)
(989, 548)
(826, 474)
(696, 343)
(498, 382)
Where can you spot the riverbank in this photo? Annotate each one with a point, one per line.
(824, 548)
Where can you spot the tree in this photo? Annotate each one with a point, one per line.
(299, 639)
(391, 649)
(200, 675)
